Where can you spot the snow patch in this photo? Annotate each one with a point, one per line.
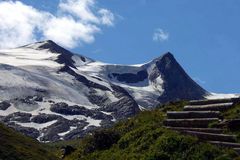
(28, 57)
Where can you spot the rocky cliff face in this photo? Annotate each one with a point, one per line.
(50, 93)
(177, 84)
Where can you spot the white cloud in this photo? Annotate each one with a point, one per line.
(18, 23)
(82, 9)
(160, 35)
(68, 32)
(77, 22)
(107, 17)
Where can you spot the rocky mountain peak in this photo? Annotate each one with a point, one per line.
(51, 46)
(73, 94)
(167, 57)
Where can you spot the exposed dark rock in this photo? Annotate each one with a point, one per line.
(51, 101)
(83, 58)
(62, 125)
(125, 107)
(97, 78)
(96, 99)
(18, 117)
(37, 98)
(131, 77)
(4, 105)
(63, 108)
(26, 100)
(40, 90)
(44, 118)
(78, 123)
(51, 132)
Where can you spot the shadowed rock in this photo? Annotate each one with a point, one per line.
(4, 105)
(177, 84)
(18, 117)
(44, 118)
(130, 77)
(65, 109)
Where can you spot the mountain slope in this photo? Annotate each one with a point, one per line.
(50, 93)
(15, 146)
(144, 137)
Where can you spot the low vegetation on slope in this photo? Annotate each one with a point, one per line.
(233, 113)
(15, 146)
(144, 137)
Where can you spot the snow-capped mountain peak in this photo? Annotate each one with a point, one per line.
(57, 94)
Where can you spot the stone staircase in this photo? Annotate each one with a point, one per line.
(195, 118)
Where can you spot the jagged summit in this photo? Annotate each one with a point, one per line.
(167, 56)
(48, 45)
(47, 53)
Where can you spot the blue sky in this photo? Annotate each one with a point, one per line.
(203, 35)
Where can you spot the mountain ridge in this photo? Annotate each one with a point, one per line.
(58, 94)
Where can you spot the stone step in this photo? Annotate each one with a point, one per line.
(209, 107)
(192, 123)
(192, 114)
(208, 130)
(212, 136)
(237, 150)
(225, 144)
(214, 101)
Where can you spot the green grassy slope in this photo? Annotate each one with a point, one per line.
(143, 137)
(15, 146)
(233, 113)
